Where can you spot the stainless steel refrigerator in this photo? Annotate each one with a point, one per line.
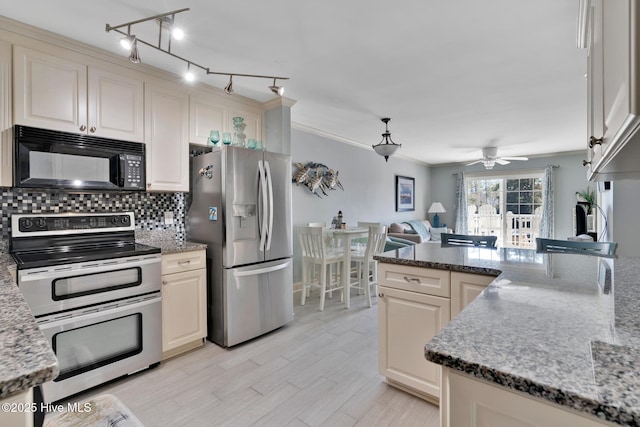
(241, 208)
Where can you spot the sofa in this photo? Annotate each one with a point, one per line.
(417, 231)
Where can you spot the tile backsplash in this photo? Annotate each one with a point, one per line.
(148, 208)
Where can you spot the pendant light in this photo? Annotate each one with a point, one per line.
(386, 148)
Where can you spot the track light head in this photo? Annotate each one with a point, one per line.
(228, 89)
(134, 56)
(278, 90)
(177, 33)
(188, 75)
(127, 42)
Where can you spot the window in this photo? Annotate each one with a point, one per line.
(508, 206)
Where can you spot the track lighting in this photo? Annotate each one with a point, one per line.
(134, 56)
(131, 42)
(228, 89)
(189, 76)
(278, 90)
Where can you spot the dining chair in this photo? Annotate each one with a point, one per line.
(448, 240)
(576, 247)
(315, 253)
(366, 266)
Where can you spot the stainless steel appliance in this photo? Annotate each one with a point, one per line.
(53, 159)
(241, 208)
(94, 292)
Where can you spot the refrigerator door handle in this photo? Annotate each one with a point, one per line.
(270, 187)
(262, 270)
(262, 221)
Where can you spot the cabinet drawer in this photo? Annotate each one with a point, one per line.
(183, 261)
(415, 279)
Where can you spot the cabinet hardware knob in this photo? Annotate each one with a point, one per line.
(380, 295)
(595, 141)
(149, 185)
(164, 282)
(585, 162)
(83, 128)
(92, 129)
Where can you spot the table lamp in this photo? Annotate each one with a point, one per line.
(436, 208)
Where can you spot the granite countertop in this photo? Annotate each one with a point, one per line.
(26, 358)
(546, 326)
(166, 241)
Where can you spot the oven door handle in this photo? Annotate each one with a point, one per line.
(81, 317)
(89, 268)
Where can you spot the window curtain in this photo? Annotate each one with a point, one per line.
(461, 205)
(546, 222)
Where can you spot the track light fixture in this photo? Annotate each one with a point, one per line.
(189, 76)
(168, 20)
(385, 148)
(228, 89)
(278, 90)
(134, 56)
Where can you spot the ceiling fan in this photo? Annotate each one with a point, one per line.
(490, 158)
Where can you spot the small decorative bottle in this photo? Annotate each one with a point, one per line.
(339, 225)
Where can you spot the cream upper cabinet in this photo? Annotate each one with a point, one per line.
(613, 91)
(56, 92)
(166, 136)
(6, 147)
(184, 308)
(206, 114)
(465, 288)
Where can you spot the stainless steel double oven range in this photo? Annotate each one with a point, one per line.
(94, 292)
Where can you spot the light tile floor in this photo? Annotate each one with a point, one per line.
(319, 370)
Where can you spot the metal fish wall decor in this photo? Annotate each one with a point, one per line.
(317, 178)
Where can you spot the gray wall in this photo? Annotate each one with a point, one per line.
(569, 178)
(369, 186)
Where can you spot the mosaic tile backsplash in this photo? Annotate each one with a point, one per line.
(148, 208)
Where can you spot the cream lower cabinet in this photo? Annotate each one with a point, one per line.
(409, 315)
(470, 402)
(17, 410)
(465, 287)
(414, 303)
(6, 121)
(184, 311)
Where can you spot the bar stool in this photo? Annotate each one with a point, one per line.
(315, 253)
(366, 266)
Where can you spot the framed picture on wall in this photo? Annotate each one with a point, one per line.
(405, 194)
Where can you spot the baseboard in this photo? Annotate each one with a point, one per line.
(414, 392)
(183, 348)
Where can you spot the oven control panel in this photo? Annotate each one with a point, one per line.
(70, 223)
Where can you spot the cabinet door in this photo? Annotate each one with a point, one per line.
(116, 107)
(184, 316)
(166, 136)
(475, 403)
(406, 322)
(6, 146)
(204, 116)
(465, 288)
(49, 91)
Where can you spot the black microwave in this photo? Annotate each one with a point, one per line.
(46, 158)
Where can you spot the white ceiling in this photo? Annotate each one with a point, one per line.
(454, 75)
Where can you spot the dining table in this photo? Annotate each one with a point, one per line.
(346, 236)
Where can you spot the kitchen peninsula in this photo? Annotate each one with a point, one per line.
(553, 340)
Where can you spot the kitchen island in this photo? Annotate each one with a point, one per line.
(559, 330)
